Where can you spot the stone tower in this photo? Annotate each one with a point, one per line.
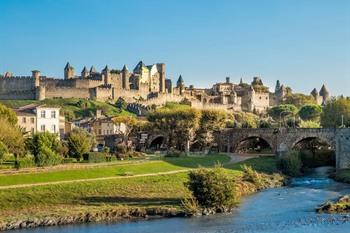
(180, 84)
(125, 78)
(161, 70)
(68, 71)
(278, 86)
(106, 75)
(36, 77)
(85, 72)
(324, 93)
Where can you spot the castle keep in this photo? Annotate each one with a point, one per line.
(147, 85)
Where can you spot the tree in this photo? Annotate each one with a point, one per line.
(279, 111)
(309, 124)
(245, 120)
(79, 142)
(210, 121)
(212, 188)
(45, 147)
(334, 111)
(299, 100)
(310, 112)
(178, 124)
(8, 114)
(12, 137)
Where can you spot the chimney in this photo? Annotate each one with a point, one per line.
(227, 79)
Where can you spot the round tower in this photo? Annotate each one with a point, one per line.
(107, 75)
(36, 77)
(68, 71)
(125, 78)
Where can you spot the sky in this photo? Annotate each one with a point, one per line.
(303, 43)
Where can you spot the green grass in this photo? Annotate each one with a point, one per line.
(73, 108)
(266, 164)
(74, 198)
(168, 164)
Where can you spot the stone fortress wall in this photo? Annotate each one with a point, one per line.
(146, 85)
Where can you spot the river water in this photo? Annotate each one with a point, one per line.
(283, 210)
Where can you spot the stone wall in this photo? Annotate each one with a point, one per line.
(22, 83)
(67, 92)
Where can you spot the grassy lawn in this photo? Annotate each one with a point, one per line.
(73, 108)
(265, 164)
(73, 198)
(167, 164)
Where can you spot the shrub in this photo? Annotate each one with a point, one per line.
(26, 161)
(96, 157)
(45, 148)
(252, 176)
(290, 164)
(69, 160)
(3, 150)
(212, 188)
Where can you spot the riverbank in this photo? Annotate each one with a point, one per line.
(113, 199)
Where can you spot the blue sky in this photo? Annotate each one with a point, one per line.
(303, 43)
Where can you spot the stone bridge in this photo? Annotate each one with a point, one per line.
(284, 139)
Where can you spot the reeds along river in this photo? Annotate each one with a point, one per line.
(283, 210)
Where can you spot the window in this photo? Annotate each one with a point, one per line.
(42, 128)
(53, 114)
(32, 120)
(53, 128)
(24, 120)
(43, 114)
(99, 132)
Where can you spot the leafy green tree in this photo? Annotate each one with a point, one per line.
(210, 122)
(310, 112)
(8, 114)
(12, 137)
(299, 100)
(79, 142)
(281, 110)
(245, 120)
(178, 124)
(45, 147)
(309, 124)
(334, 111)
(212, 188)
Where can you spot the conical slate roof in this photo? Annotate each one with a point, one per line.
(125, 68)
(106, 69)
(68, 66)
(93, 70)
(180, 80)
(314, 92)
(85, 70)
(139, 66)
(324, 91)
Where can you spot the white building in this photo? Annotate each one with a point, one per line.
(33, 119)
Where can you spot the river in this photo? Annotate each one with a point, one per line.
(284, 210)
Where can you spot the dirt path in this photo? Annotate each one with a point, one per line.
(236, 158)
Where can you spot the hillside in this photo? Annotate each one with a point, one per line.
(73, 108)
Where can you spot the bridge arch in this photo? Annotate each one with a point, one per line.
(156, 142)
(263, 141)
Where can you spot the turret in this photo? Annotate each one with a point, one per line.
(278, 86)
(85, 72)
(314, 93)
(93, 70)
(227, 79)
(107, 75)
(68, 71)
(36, 77)
(180, 84)
(241, 81)
(162, 77)
(324, 93)
(125, 78)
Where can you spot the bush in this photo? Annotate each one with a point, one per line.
(96, 157)
(212, 188)
(252, 176)
(290, 164)
(3, 150)
(26, 161)
(69, 160)
(45, 148)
